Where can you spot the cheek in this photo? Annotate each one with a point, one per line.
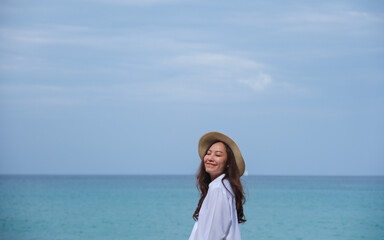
(222, 164)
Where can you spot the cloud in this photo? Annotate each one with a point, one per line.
(142, 2)
(258, 83)
(224, 72)
(54, 34)
(336, 21)
(118, 39)
(141, 66)
(97, 95)
(200, 77)
(323, 18)
(217, 60)
(333, 16)
(149, 65)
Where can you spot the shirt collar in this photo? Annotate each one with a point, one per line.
(219, 178)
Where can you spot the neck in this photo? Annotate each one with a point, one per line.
(214, 176)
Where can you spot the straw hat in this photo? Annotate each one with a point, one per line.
(209, 138)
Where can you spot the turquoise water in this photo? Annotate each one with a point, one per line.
(161, 207)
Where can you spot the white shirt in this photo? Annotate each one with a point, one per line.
(217, 215)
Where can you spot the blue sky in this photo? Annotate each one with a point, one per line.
(128, 87)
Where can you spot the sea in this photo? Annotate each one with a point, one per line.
(160, 207)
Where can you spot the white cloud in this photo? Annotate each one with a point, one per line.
(55, 34)
(8, 67)
(120, 39)
(324, 18)
(116, 94)
(225, 71)
(197, 77)
(333, 17)
(143, 2)
(189, 69)
(257, 83)
(217, 60)
(337, 21)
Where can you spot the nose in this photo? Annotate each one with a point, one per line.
(209, 158)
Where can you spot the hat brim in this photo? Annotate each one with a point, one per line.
(209, 138)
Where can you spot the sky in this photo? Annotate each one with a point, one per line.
(128, 87)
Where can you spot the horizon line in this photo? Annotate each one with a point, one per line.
(173, 174)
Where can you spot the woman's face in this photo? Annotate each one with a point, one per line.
(215, 160)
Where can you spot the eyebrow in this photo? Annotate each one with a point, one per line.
(215, 151)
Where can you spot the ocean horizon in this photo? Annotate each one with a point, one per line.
(95, 206)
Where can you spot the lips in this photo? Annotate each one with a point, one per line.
(210, 164)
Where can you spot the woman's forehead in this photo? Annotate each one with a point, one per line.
(219, 146)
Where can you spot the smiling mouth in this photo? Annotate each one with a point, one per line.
(210, 164)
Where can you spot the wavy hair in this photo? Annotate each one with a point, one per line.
(232, 174)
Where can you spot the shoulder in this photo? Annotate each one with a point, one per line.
(223, 187)
(226, 184)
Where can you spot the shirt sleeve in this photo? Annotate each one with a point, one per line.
(215, 221)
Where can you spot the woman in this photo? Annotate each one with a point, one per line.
(220, 208)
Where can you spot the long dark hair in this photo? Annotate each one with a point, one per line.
(232, 174)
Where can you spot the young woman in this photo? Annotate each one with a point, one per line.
(220, 208)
